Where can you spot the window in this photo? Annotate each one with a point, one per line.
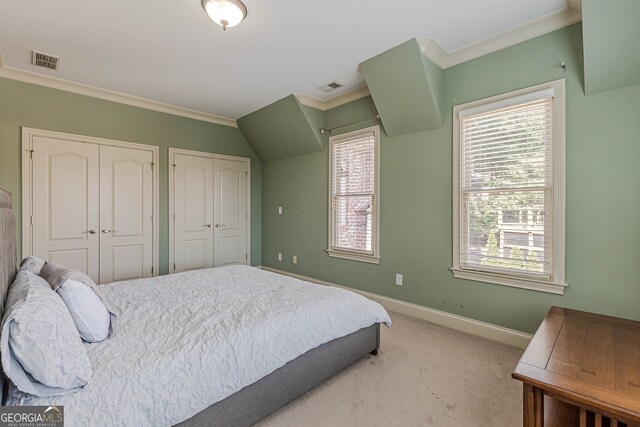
(509, 189)
(516, 239)
(353, 192)
(510, 216)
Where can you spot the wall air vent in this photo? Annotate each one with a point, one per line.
(331, 86)
(40, 59)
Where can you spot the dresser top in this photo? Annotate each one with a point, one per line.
(588, 358)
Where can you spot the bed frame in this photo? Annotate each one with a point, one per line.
(254, 402)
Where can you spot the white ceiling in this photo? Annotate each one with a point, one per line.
(170, 51)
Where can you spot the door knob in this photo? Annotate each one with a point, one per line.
(208, 225)
(220, 225)
(92, 231)
(106, 230)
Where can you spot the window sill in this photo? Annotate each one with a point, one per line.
(371, 259)
(516, 282)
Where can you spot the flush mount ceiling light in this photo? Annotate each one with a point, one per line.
(226, 13)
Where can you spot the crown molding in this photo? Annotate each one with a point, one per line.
(311, 101)
(336, 101)
(543, 25)
(109, 95)
(345, 98)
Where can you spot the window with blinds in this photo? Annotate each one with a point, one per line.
(506, 187)
(353, 201)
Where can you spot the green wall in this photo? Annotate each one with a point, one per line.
(602, 198)
(23, 104)
(611, 32)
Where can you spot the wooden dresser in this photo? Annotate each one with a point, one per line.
(581, 369)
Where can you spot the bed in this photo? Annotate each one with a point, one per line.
(225, 346)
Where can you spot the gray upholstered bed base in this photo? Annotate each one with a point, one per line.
(256, 401)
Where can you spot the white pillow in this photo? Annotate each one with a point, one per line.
(40, 346)
(56, 275)
(87, 311)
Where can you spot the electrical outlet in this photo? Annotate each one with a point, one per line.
(399, 279)
(294, 259)
(279, 256)
(279, 210)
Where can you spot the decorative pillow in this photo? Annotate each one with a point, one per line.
(87, 311)
(86, 304)
(32, 264)
(41, 350)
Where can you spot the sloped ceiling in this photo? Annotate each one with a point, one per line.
(283, 129)
(611, 44)
(406, 88)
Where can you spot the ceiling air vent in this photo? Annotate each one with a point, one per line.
(44, 60)
(330, 87)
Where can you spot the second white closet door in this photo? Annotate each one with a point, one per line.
(126, 214)
(193, 210)
(230, 213)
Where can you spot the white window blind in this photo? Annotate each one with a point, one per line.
(506, 187)
(353, 204)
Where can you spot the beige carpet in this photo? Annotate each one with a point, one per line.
(424, 375)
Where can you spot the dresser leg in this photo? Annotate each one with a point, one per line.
(598, 420)
(533, 406)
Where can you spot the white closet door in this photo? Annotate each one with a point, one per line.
(65, 203)
(193, 212)
(230, 202)
(126, 214)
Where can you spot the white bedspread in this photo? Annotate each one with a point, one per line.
(188, 340)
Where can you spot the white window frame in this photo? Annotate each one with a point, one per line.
(355, 255)
(556, 284)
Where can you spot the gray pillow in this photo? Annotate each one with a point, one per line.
(57, 276)
(41, 350)
(32, 264)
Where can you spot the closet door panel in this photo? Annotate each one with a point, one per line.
(230, 201)
(65, 203)
(193, 212)
(126, 222)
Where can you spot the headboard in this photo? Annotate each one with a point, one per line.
(7, 246)
(7, 260)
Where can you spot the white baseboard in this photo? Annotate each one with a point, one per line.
(453, 321)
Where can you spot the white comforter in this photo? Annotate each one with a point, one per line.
(188, 340)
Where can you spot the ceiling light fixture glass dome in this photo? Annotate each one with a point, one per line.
(226, 13)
